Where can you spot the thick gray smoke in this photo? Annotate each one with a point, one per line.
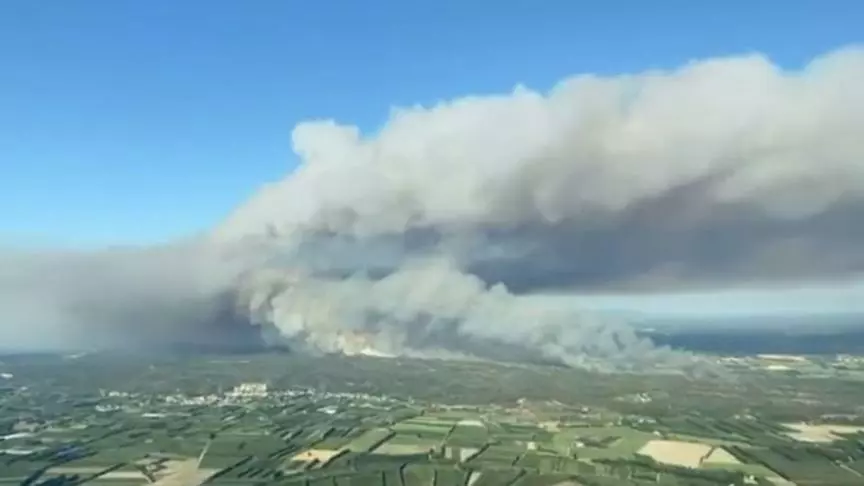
(429, 307)
(423, 237)
(722, 170)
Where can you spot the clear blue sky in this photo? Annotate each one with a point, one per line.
(137, 121)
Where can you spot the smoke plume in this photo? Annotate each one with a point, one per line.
(425, 237)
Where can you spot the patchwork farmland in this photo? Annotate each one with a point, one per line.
(155, 425)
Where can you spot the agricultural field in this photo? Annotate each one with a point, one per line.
(181, 422)
(822, 433)
(676, 453)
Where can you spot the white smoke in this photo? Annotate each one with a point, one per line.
(419, 238)
(786, 143)
(429, 306)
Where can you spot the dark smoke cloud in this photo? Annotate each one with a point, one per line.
(420, 238)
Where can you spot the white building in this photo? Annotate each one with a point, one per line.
(250, 390)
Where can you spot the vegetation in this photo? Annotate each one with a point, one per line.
(335, 421)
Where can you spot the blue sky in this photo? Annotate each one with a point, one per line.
(135, 122)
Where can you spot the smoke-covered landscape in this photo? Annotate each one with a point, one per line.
(440, 234)
(450, 243)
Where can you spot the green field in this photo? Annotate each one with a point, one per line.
(622, 442)
(400, 423)
(369, 440)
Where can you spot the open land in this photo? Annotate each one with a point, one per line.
(822, 432)
(685, 454)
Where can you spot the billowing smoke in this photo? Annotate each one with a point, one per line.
(722, 170)
(429, 236)
(429, 307)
